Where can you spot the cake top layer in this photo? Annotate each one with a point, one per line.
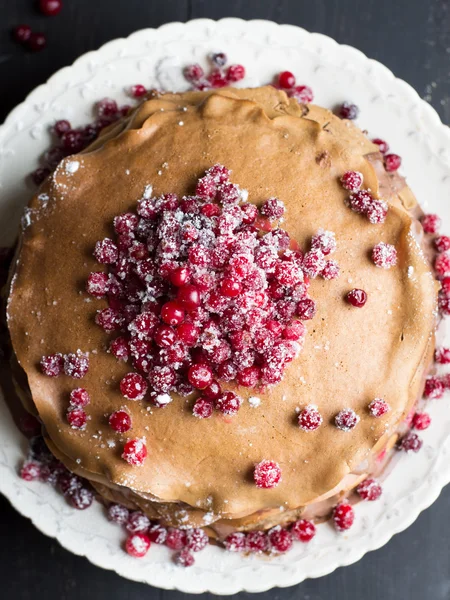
(274, 148)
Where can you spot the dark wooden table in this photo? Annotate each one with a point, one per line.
(411, 37)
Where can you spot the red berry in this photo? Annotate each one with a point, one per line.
(97, 284)
(352, 180)
(30, 471)
(109, 319)
(120, 348)
(72, 141)
(383, 146)
(200, 376)
(176, 538)
(302, 93)
(76, 365)
(280, 540)
(216, 79)
(256, 542)
(52, 365)
(444, 302)
(137, 522)
(377, 211)
(21, 33)
(306, 309)
(106, 252)
(273, 209)
(286, 80)
(313, 263)
(40, 175)
(196, 540)
(235, 542)
(379, 407)
(442, 356)
(133, 386)
(76, 417)
(228, 403)
(410, 443)
(267, 474)
(357, 298)
(188, 334)
(157, 534)
(134, 452)
(203, 408)
(343, 516)
(346, 419)
(230, 287)
(137, 545)
(165, 336)
(125, 223)
(212, 391)
(117, 513)
(249, 376)
(219, 59)
(348, 111)
(36, 42)
(421, 421)
(442, 264)
(235, 73)
(184, 558)
(303, 530)
(172, 313)
(180, 276)
(81, 498)
(434, 388)
(193, 72)
(50, 8)
(79, 397)
(162, 379)
(369, 489)
(188, 297)
(309, 419)
(120, 421)
(138, 90)
(361, 201)
(250, 212)
(431, 223)
(384, 255)
(331, 270)
(392, 162)
(442, 243)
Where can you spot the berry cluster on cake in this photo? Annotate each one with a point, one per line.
(222, 312)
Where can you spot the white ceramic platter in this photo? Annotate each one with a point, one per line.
(390, 109)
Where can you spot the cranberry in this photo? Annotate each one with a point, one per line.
(52, 365)
(250, 212)
(134, 452)
(212, 391)
(72, 141)
(421, 421)
(348, 111)
(40, 175)
(325, 241)
(445, 283)
(331, 270)
(162, 379)
(346, 419)
(216, 79)
(343, 516)
(382, 145)
(193, 72)
(369, 489)
(235, 73)
(21, 33)
(184, 558)
(392, 162)
(442, 264)
(176, 538)
(361, 201)
(203, 408)
(79, 397)
(106, 252)
(137, 522)
(431, 223)
(68, 482)
(196, 540)
(165, 336)
(120, 421)
(235, 542)
(109, 319)
(180, 276)
(302, 93)
(357, 298)
(120, 348)
(384, 255)
(76, 365)
(188, 297)
(200, 376)
(306, 309)
(133, 386)
(309, 419)
(157, 534)
(280, 540)
(76, 417)
(442, 356)
(249, 376)
(210, 209)
(30, 471)
(434, 388)
(125, 223)
(442, 243)
(256, 542)
(188, 334)
(379, 407)
(36, 42)
(172, 313)
(303, 530)
(267, 474)
(286, 80)
(206, 188)
(273, 209)
(117, 513)
(410, 443)
(97, 284)
(228, 403)
(219, 59)
(230, 287)
(313, 263)
(137, 545)
(377, 211)
(138, 90)
(50, 8)
(444, 303)
(352, 180)
(81, 498)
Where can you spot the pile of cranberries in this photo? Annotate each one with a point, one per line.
(36, 41)
(219, 76)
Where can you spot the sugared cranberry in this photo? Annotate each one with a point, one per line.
(331, 270)
(382, 145)
(137, 522)
(138, 90)
(200, 376)
(213, 390)
(357, 298)
(52, 365)
(125, 223)
(40, 175)
(76, 417)
(309, 419)
(172, 313)
(343, 516)
(188, 297)
(410, 443)
(30, 471)
(188, 334)
(444, 302)
(230, 287)
(392, 162)
(235, 542)
(369, 489)
(106, 252)
(109, 319)
(137, 545)
(219, 59)
(377, 211)
(133, 386)
(21, 33)
(302, 93)
(120, 421)
(442, 264)
(286, 80)
(50, 8)
(72, 141)
(162, 379)
(348, 111)
(250, 212)
(313, 263)
(379, 407)
(303, 530)
(421, 421)
(157, 534)
(280, 540)
(434, 388)
(267, 474)
(97, 284)
(165, 336)
(273, 209)
(306, 309)
(36, 42)
(228, 403)
(79, 397)
(442, 243)
(384, 255)
(235, 73)
(442, 356)
(346, 419)
(120, 348)
(193, 72)
(361, 201)
(431, 223)
(76, 365)
(184, 558)
(117, 513)
(134, 452)
(107, 107)
(249, 376)
(196, 540)
(352, 180)
(176, 538)
(256, 542)
(180, 276)
(81, 498)
(203, 408)
(216, 79)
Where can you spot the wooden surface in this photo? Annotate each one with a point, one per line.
(411, 37)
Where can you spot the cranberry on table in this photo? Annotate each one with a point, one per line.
(213, 390)
(369, 489)
(203, 408)
(343, 516)
(36, 42)
(21, 33)
(357, 298)
(133, 386)
(267, 474)
(137, 545)
(200, 376)
(347, 110)
(50, 8)
(228, 403)
(120, 421)
(303, 530)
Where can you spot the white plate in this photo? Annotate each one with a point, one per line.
(390, 109)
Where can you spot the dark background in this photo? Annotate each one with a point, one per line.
(411, 37)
